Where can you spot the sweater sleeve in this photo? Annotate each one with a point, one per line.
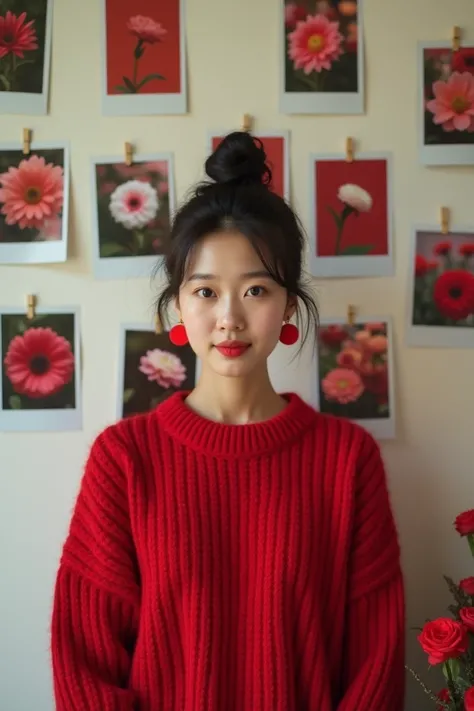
(374, 653)
(96, 597)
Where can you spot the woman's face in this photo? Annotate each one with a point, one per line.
(232, 309)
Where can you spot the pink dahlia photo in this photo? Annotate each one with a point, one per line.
(16, 36)
(163, 367)
(134, 204)
(31, 192)
(315, 44)
(39, 363)
(453, 103)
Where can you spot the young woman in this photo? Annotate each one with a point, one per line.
(232, 550)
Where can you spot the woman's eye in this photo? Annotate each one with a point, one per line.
(256, 291)
(205, 293)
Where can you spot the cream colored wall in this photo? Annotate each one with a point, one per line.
(233, 69)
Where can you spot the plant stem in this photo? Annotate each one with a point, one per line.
(427, 691)
(450, 682)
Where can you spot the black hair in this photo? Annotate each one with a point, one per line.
(239, 196)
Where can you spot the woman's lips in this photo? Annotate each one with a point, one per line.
(232, 349)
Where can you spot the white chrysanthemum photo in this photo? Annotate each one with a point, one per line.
(134, 204)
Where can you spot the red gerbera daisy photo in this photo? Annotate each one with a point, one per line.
(38, 362)
(453, 294)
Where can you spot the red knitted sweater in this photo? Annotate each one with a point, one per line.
(214, 567)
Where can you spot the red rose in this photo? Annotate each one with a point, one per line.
(444, 696)
(469, 699)
(467, 616)
(467, 585)
(443, 639)
(464, 523)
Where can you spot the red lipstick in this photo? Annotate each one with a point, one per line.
(232, 349)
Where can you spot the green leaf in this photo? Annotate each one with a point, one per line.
(128, 394)
(357, 249)
(121, 89)
(5, 82)
(110, 249)
(338, 218)
(149, 77)
(129, 84)
(15, 402)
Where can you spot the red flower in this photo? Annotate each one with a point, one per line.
(463, 60)
(469, 699)
(444, 696)
(16, 37)
(39, 363)
(467, 249)
(333, 335)
(467, 584)
(421, 265)
(295, 13)
(443, 639)
(442, 248)
(467, 617)
(464, 523)
(453, 294)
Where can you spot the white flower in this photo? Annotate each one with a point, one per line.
(134, 204)
(355, 196)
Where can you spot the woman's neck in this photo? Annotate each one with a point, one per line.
(237, 401)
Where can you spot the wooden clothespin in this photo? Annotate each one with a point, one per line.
(456, 38)
(26, 141)
(158, 325)
(30, 307)
(247, 122)
(349, 149)
(128, 154)
(351, 314)
(445, 220)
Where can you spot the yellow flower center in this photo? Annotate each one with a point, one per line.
(342, 384)
(33, 195)
(459, 105)
(316, 43)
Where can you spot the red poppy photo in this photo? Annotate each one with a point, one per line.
(152, 369)
(443, 283)
(39, 362)
(276, 146)
(143, 52)
(354, 370)
(352, 212)
(24, 55)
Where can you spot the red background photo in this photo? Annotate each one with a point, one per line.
(364, 228)
(160, 58)
(274, 147)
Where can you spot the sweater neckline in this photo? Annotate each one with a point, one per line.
(222, 439)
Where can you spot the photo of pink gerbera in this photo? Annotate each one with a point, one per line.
(39, 363)
(31, 192)
(315, 44)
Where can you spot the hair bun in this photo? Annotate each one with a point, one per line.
(239, 159)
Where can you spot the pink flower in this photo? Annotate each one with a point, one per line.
(146, 29)
(453, 105)
(31, 192)
(342, 385)
(162, 188)
(355, 196)
(39, 363)
(294, 13)
(16, 37)
(164, 368)
(315, 44)
(134, 204)
(377, 344)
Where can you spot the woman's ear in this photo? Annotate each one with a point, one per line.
(290, 307)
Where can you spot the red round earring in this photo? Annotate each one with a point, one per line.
(289, 334)
(178, 335)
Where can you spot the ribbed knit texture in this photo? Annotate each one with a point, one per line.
(213, 567)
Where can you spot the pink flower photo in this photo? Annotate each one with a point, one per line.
(354, 370)
(32, 196)
(321, 44)
(152, 369)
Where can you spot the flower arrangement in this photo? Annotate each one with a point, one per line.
(444, 286)
(449, 641)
